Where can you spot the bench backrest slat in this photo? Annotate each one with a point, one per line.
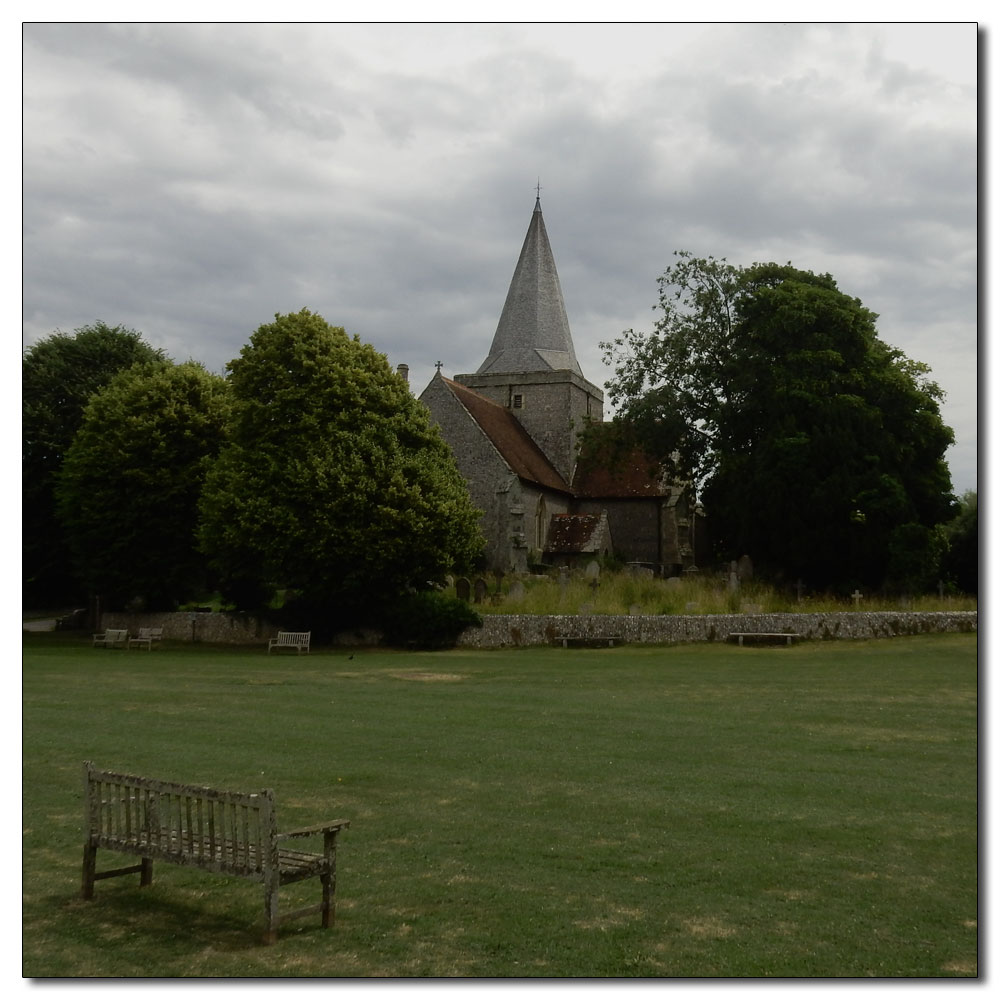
(230, 830)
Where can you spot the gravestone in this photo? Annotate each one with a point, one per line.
(593, 570)
(463, 588)
(635, 609)
(734, 582)
(856, 596)
(563, 580)
(516, 592)
(673, 583)
(479, 591)
(744, 568)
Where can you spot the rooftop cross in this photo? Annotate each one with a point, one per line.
(437, 365)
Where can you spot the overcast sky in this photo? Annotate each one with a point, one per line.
(190, 181)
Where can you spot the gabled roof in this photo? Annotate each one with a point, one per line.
(606, 470)
(533, 332)
(511, 440)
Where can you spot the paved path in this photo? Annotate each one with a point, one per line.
(40, 625)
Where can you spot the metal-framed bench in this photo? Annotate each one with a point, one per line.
(112, 638)
(229, 833)
(146, 638)
(299, 641)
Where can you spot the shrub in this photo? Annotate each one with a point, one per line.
(428, 620)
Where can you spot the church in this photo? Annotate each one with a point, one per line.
(549, 496)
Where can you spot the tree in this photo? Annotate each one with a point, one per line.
(961, 563)
(334, 483)
(819, 448)
(130, 484)
(58, 376)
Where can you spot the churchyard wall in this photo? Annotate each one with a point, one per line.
(534, 630)
(499, 631)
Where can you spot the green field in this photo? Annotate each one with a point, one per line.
(691, 811)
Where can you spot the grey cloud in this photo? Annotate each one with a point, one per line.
(192, 180)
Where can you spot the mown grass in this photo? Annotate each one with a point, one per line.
(699, 811)
(620, 593)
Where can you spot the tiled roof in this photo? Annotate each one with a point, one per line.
(603, 470)
(524, 457)
(533, 332)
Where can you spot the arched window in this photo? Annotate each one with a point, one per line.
(541, 524)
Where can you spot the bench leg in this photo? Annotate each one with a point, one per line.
(89, 870)
(326, 913)
(271, 911)
(146, 872)
(329, 880)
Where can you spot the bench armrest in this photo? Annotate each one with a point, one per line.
(309, 831)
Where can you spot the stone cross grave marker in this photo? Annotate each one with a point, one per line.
(856, 596)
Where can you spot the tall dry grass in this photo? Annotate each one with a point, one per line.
(619, 593)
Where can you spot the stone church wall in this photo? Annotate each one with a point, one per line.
(635, 527)
(554, 408)
(484, 471)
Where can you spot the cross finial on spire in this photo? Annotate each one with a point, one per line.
(538, 196)
(437, 365)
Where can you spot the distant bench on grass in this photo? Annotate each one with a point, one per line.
(763, 638)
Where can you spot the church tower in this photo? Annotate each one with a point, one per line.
(531, 369)
(514, 428)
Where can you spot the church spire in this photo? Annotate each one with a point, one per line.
(533, 332)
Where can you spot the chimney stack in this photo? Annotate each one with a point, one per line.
(403, 371)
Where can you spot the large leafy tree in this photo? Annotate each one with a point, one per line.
(961, 564)
(59, 374)
(819, 448)
(130, 484)
(334, 483)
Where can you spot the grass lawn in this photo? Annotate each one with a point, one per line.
(690, 811)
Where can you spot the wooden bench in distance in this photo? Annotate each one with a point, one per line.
(146, 637)
(764, 638)
(298, 641)
(112, 638)
(590, 641)
(229, 833)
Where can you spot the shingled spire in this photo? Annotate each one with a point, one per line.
(533, 332)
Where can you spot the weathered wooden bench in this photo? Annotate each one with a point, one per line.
(290, 640)
(589, 640)
(146, 637)
(764, 638)
(229, 833)
(112, 638)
